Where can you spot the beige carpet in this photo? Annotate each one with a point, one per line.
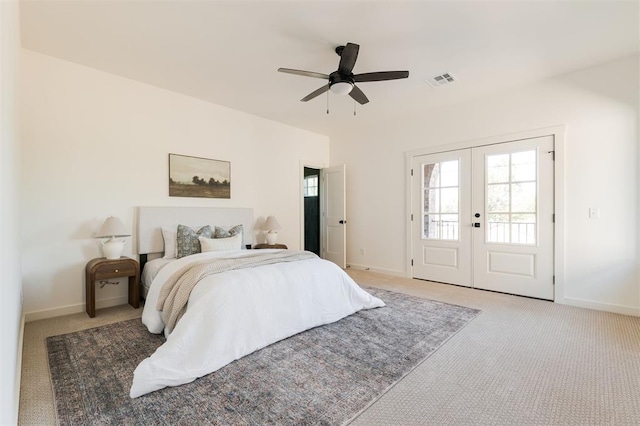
(521, 361)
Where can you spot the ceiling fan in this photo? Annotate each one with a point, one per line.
(343, 81)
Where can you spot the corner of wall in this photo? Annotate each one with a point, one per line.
(19, 366)
(10, 292)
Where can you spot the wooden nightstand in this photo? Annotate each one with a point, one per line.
(269, 246)
(102, 268)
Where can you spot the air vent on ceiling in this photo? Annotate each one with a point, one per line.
(440, 79)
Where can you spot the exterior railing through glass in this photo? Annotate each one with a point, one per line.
(497, 232)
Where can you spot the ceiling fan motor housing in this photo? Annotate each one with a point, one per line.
(340, 84)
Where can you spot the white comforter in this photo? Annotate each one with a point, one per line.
(235, 313)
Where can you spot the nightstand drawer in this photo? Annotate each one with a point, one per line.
(120, 270)
(270, 246)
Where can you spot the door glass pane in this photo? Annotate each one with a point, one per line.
(432, 201)
(432, 226)
(311, 186)
(441, 194)
(498, 228)
(523, 166)
(498, 198)
(449, 174)
(523, 228)
(449, 197)
(432, 175)
(498, 168)
(523, 197)
(512, 198)
(449, 227)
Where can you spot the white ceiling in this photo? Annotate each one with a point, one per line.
(228, 52)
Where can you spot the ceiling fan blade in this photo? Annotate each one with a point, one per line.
(304, 73)
(380, 76)
(348, 58)
(315, 93)
(357, 94)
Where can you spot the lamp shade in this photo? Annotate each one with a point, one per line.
(271, 224)
(112, 228)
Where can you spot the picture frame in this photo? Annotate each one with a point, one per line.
(199, 177)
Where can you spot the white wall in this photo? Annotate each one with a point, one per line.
(95, 144)
(598, 105)
(10, 285)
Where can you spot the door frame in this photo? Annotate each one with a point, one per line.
(559, 136)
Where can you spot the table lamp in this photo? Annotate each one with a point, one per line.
(271, 225)
(112, 228)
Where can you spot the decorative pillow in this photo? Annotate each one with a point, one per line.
(223, 233)
(187, 242)
(220, 244)
(169, 236)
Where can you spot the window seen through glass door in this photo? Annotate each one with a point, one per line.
(441, 200)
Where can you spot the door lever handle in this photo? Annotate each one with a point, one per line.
(476, 224)
(342, 222)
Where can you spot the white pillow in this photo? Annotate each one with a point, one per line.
(220, 244)
(169, 236)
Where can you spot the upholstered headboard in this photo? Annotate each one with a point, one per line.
(151, 220)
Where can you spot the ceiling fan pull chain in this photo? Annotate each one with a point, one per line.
(354, 107)
(327, 102)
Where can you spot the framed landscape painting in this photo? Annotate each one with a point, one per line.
(199, 177)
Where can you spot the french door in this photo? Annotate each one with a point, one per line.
(483, 217)
(441, 199)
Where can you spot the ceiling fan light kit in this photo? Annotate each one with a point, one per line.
(341, 87)
(343, 81)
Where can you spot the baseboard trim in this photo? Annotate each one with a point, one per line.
(74, 309)
(601, 306)
(377, 270)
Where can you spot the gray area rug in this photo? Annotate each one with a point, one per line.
(322, 376)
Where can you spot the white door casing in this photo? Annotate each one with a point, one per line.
(333, 219)
(440, 227)
(504, 240)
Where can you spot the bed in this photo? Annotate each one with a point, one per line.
(253, 298)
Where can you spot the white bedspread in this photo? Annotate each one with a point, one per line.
(235, 313)
(151, 269)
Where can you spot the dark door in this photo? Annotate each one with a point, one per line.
(312, 210)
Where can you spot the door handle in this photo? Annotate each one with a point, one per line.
(342, 222)
(476, 224)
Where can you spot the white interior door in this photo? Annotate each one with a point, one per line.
(513, 205)
(334, 215)
(440, 217)
(483, 217)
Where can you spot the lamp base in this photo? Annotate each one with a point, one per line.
(113, 249)
(272, 237)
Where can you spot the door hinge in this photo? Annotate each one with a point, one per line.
(412, 217)
(553, 218)
(411, 262)
(554, 280)
(411, 172)
(553, 155)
